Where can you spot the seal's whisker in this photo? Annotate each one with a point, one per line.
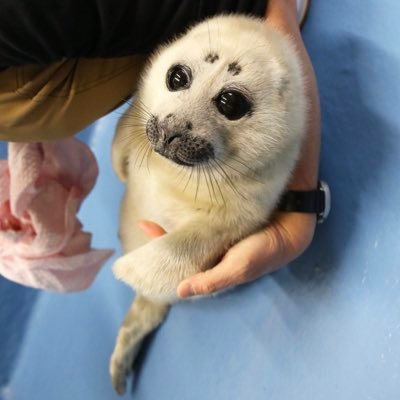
(209, 37)
(246, 175)
(217, 183)
(181, 174)
(141, 149)
(189, 179)
(127, 124)
(210, 177)
(226, 178)
(139, 118)
(239, 160)
(232, 168)
(149, 153)
(132, 139)
(198, 182)
(137, 113)
(252, 171)
(134, 132)
(144, 154)
(134, 121)
(219, 36)
(127, 100)
(229, 180)
(119, 113)
(207, 169)
(214, 193)
(139, 103)
(208, 186)
(135, 106)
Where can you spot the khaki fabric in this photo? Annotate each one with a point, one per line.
(55, 101)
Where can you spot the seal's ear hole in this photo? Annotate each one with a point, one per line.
(284, 87)
(121, 167)
(124, 168)
(120, 155)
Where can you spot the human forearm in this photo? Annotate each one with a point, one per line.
(282, 15)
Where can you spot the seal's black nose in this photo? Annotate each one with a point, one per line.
(177, 141)
(172, 137)
(166, 143)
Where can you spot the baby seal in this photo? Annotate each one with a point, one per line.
(205, 151)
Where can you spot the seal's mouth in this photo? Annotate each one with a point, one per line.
(179, 156)
(170, 153)
(181, 162)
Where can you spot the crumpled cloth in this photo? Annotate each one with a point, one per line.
(42, 245)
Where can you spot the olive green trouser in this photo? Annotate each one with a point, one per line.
(58, 100)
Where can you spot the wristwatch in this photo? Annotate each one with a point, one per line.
(313, 201)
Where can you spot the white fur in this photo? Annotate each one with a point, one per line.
(203, 215)
(267, 141)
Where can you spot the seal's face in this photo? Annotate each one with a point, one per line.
(221, 96)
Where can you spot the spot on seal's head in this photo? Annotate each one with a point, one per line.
(234, 68)
(211, 58)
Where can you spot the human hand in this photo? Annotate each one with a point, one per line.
(284, 239)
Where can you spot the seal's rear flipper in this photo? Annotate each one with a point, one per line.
(143, 317)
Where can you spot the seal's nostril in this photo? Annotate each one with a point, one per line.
(172, 138)
(169, 116)
(189, 126)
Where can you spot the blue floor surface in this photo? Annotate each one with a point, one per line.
(325, 327)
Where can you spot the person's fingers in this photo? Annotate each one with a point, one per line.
(151, 229)
(225, 274)
(244, 262)
(258, 254)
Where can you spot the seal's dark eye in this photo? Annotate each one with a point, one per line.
(179, 77)
(232, 104)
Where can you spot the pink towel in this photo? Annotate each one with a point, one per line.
(42, 186)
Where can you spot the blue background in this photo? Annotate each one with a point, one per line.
(325, 327)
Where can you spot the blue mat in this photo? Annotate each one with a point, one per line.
(325, 327)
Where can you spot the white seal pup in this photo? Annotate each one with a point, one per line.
(205, 151)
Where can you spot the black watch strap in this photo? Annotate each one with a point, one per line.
(312, 201)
